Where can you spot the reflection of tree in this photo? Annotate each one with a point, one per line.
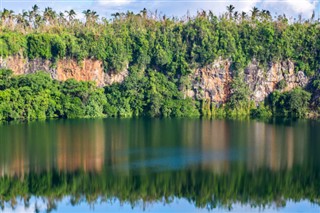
(91, 144)
(89, 159)
(204, 189)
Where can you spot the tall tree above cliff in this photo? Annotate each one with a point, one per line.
(254, 13)
(230, 10)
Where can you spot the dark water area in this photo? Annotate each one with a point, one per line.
(160, 165)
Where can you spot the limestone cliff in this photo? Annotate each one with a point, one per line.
(213, 81)
(86, 70)
(262, 82)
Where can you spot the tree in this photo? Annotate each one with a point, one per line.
(239, 101)
(243, 16)
(5, 76)
(265, 15)
(298, 102)
(254, 13)
(7, 17)
(49, 15)
(91, 17)
(230, 9)
(71, 14)
(144, 12)
(87, 15)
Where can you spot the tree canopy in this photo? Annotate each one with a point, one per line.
(159, 53)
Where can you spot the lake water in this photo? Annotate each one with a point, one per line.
(160, 165)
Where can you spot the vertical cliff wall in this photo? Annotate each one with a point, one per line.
(211, 82)
(86, 70)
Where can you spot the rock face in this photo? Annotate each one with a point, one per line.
(278, 75)
(87, 70)
(213, 82)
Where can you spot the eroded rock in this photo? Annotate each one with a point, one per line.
(213, 82)
(86, 70)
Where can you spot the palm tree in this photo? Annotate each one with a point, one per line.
(87, 14)
(91, 16)
(254, 13)
(115, 15)
(20, 20)
(11, 17)
(71, 14)
(25, 14)
(32, 15)
(38, 21)
(61, 18)
(230, 9)
(265, 14)
(312, 16)
(211, 15)
(7, 17)
(129, 14)
(144, 12)
(94, 16)
(4, 15)
(243, 16)
(236, 15)
(46, 14)
(34, 11)
(49, 15)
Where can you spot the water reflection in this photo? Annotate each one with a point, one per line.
(209, 163)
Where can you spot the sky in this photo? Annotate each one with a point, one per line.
(178, 8)
(177, 205)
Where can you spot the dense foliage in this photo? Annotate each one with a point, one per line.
(203, 189)
(209, 163)
(160, 52)
(169, 45)
(37, 96)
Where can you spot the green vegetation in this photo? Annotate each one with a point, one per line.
(37, 96)
(203, 189)
(294, 103)
(211, 164)
(160, 53)
(169, 45)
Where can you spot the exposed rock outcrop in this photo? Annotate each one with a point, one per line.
(262, 82)
(86, 70)
(213, 82)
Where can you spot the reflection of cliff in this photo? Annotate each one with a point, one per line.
(215, 139)
(81, 147)
(120, 145)
(254, 145)
(66, 146)
(272, 147)
(14, 161)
